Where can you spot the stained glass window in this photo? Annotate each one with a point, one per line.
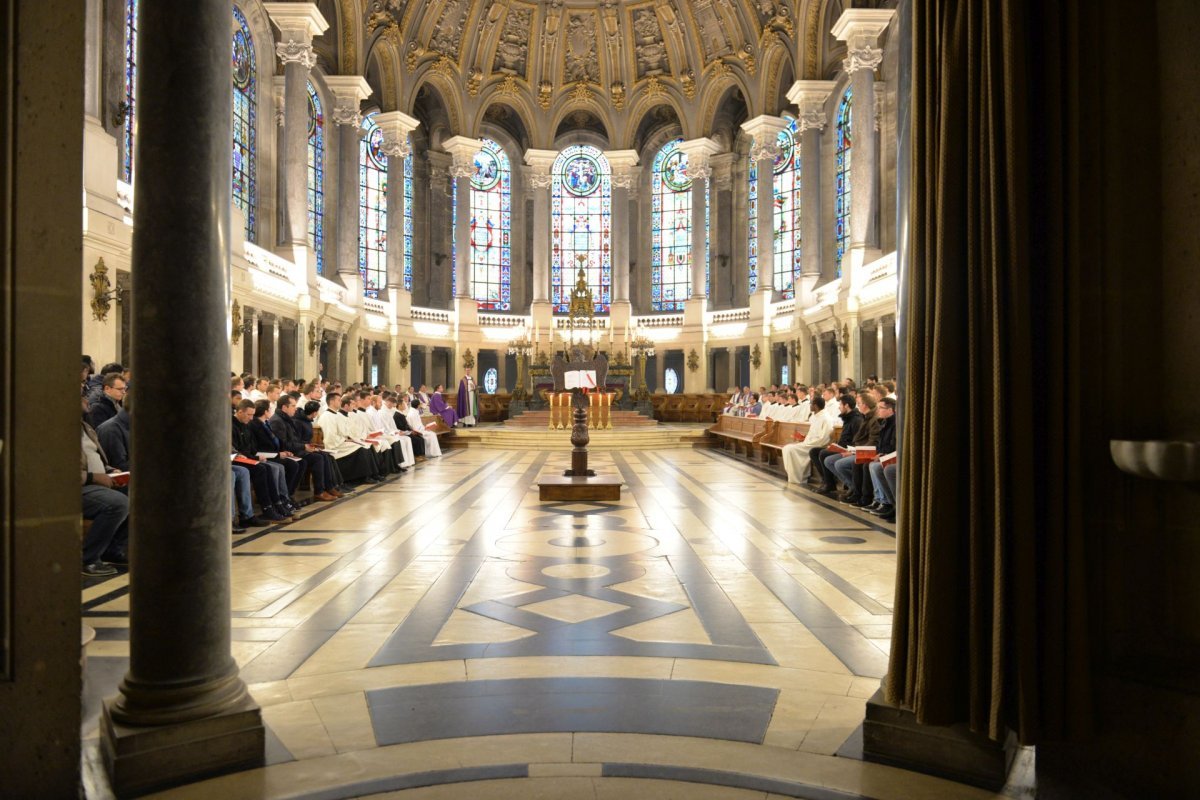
(491, 228)
(491, 380)
(787, 212)
(372, 210)
(245, 188)
(581, 225)
(841, 208)
(670, 229)
(785, 262)
(316, 179)
(131, 7)
(670, 380)
(408, 217)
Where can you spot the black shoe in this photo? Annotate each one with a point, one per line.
(116, 558)
(891, 517)
(283, 510)
(236, 528)
(864, 505)
(850, 499)
(251, 522)
(98, 570)
(824, 490)
(271, 515)
(873, 507)
(884, 510)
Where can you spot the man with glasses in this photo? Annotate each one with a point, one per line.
(104, 406)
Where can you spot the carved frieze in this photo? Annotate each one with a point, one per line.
(648, 46)
(447, 37)
(713, 39)
(580, 61)
(512, 52)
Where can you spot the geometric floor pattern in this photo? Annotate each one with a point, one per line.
(715, 633)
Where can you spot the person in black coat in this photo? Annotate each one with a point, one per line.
(114, 438)
(851, 420)
(288, 436)
(103, 405)
(267, 442)
(415, 439)
(302, 422)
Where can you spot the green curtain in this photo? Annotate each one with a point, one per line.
(990, 624)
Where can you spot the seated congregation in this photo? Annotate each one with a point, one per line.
(292, 444)
(837, 440)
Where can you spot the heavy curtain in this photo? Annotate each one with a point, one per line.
(990, 624)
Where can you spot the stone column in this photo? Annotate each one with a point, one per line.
(622, 163)
(660, 369)
(699, 170)
(274, 346)
(182, 711)
(538, 178)
(346, 371)
(427, 378)
(721, 294)
(396, 127)
(252, 334)
(298, 23)
(860, 29)
(348, 93)
(501, 371)
(462, 151)
(810, 97)
(438, 267)
(765, 132)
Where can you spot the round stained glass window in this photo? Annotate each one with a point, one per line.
(243, 60)
(487, 171)
(491, 379)
(671, 381)
(581, 175)
(674, 171)
(375, 148)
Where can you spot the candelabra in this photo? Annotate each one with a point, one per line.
(520, 347)
(643, 349)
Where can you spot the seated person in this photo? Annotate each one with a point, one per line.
(103, 406)
(885, 503)
(438, 405)
(114, 437)
(302, 421)
(433, 448)
(397, 404)
(755, 406)
(106, 543)
(852, 474)
(822, 460)
(241, 509)
(355, 461)
(796, 456)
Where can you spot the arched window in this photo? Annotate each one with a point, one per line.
(372, 209)
(670, 229)
(316, 178)
(245, 78)
(408, 217)
(491, 380)
(491, 227)
(581, 225)
(131, 7)
(841, 208)
(670, 380)
(785, 261)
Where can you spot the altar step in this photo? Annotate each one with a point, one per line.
(541, 419)
(501, 437)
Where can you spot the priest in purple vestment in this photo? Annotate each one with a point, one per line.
(438, 405)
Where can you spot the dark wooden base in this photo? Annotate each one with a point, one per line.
(596, 487)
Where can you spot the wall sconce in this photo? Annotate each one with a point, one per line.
(362, 351)
(315, 335)
(693, 361)
(756, 357)
(403, 355)
(235, 335)
(102, 292)
(468, 359)
(841, 337)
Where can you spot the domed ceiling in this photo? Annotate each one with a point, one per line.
(546, 62)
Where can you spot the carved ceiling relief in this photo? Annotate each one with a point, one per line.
(648, 45)
(713, 39)
(580, 61)
(447, 37)
(512, 52)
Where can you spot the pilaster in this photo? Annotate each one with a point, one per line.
(622, 163)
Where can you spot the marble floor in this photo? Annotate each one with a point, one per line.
(715, 634)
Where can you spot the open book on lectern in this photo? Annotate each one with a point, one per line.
(579, 379)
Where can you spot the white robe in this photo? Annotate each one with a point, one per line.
(432, 448)
(338, 433)
(796, 456)
(387, 422)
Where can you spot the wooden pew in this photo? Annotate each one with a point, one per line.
(672, 410)
(780, 434)
(740, 434)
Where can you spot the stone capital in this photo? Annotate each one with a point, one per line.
(699, 153)
(859, 28)
(764, 130)
(622, 163)
(396, 127)
(462, 152)
(294, 52)
(348, 92)
(810, 98)
(722, 165)
(298, 24)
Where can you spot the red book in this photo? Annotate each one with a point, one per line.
(119, 478)
(797, 436)
(245, 462)
(864, 454)
(887, 459)
(837, 448)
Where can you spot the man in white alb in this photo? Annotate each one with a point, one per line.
(432, 448)
(796, 456)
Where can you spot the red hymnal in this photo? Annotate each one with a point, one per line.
(119, 478)
(864, 454)
(887, 459)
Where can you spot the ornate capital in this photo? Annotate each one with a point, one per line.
(699, 153)
(462, 152)
(345, 112)
(294, 52)
(812, 118)
(395, 149)
(767, 150)
(622, 179)
(865, 57)
(539, 180)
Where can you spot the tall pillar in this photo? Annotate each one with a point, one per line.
(699, 170)
(764, 131)
(274, 346)
(298, 23)
(622, 163)
(348, 93)
(346, 372)
(660, 369)
(501, 371)
(427, 378)
(396, 127)
(810, 97)
(253, 316)
(720, 218)
(182, 710)
(462, 152)
(538, 178)
(860, 29)
(439, 268)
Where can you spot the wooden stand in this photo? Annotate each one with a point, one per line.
(579, 482)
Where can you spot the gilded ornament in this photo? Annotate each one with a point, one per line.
(580, 93)
(617, 90)
(102, 294)
(688, 80)
(756, 357)
(654, 87)
(468, 359)
(236, 333)
(693, 360)
(545, 93)
(474, 79)
(402, 355)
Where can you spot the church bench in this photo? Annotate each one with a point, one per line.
(689, 409)
(740, 434)
(672, 410)
(780, 434)
(657, 401)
